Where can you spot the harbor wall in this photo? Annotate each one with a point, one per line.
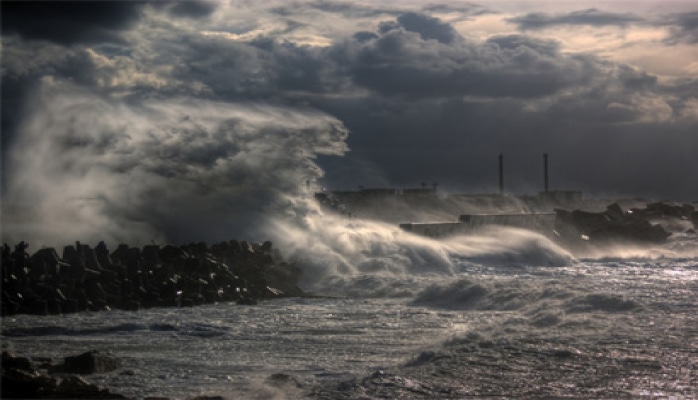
(540, 222)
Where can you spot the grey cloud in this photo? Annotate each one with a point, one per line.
(684, 28)
(346, 9)
(403, 63)
(193, 8)
(364, 36)
(635, 79)
(513, 42)
(261, 69)
(427, 27)
(591, 17)
(69, 22)
(466, 10)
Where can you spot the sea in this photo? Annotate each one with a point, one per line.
(497, 313)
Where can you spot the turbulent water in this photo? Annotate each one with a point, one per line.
(498, 314)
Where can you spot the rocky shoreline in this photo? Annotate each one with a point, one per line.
(129, 278)
(42, 378)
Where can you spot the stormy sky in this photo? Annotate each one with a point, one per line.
(139, 97)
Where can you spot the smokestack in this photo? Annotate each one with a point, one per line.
(501, 174)
(545, 171)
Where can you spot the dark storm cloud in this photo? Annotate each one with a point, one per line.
(69, 22)
(193, 8)
(346, 9)
(261, 69)
(419, 56)
(591, 17)
(422, 102)
(428, 27)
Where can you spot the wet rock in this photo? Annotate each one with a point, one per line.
(20, 384)
(77, 386)
(131, 279)
(283, 380)
(612, 225)
(91, 362)
(11, 361)
(566, 353)
(672, 210)
(615, 212)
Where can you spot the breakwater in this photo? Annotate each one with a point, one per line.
(83, 278)
(572, 228)
(541, 222)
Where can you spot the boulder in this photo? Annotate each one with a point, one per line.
(77, 387)
(282, 380)
(21, 384)
(613, 224)
(11, 361)
(91, 362)
(615, 212)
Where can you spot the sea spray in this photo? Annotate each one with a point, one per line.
(86, 167)
(346, 256)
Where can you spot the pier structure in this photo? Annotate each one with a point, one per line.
(539, 222)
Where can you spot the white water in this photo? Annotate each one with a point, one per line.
(456, 303)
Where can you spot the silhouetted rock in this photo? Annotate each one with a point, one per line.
(281, 380)
(11, 361)
(20, 380)
(91, 362)
(612, 225)
(131, 278)
(21, 384)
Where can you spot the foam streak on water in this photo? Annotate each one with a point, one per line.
(611, 329)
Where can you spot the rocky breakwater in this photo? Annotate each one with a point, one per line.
(92, 279)
(615, 225)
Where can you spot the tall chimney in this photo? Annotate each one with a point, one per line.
(501, 174)
(545, 171)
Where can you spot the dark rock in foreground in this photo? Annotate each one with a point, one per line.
(92, 362)
(130, 278)
(21, 380)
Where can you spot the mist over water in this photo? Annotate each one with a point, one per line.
(175, 170)
(181, 170)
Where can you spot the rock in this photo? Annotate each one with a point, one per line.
(190, 275)
(11, 361)
(266, 247)
(77, 386)
(611, 225)
(615, 212)
(92, 362)
(281, 380)
(672, 210)
(20, 384)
